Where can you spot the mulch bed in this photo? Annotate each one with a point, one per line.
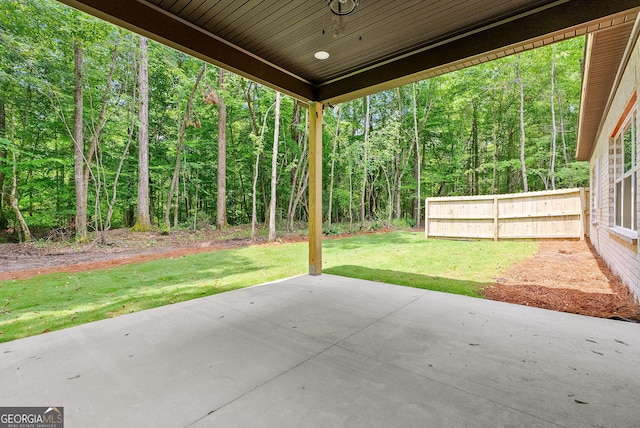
(616, 306)
(616, 303)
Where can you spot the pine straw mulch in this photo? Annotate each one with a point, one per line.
(567, 276)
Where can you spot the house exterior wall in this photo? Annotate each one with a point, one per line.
(619, 248)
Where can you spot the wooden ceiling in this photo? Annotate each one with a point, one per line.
(386, 43)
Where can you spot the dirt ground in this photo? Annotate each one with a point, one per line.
(564, 275)
(119, 247)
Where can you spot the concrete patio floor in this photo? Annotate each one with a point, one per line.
(332, 352)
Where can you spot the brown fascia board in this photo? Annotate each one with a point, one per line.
(411, 67)
(152, 22)
(589, 133)
(584, 143)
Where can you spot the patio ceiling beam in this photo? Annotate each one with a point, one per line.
(417, 65)
(152, 22)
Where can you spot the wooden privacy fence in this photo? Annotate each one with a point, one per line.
(553, 214)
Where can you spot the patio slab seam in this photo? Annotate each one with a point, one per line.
(330, 346)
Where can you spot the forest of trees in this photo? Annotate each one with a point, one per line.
(101, 128)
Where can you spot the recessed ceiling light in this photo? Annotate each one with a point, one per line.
(321, 55)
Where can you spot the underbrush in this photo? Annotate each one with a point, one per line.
(204, 230)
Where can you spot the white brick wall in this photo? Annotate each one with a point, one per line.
(622, 257)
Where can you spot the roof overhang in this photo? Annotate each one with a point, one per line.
(607, 53)
(268, 41)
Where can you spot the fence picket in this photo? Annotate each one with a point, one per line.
(558, 214)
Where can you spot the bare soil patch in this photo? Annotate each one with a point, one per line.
(120, 247)
(567, 276)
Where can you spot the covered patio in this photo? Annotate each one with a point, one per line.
(323, 350)
(319, 351)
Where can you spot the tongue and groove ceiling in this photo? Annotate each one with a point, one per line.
(386, 43)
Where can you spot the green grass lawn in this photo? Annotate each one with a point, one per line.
(51, 302)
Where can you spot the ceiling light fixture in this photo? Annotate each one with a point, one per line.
(321, 55)
(343, 7)
(340, 9)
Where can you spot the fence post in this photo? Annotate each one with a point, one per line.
(583, 206)
(426, 218)
(496, 217)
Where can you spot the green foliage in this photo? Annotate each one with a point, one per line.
(332, 230)
(575, 174)
(375, 225)
(467, 131)
(403, 223)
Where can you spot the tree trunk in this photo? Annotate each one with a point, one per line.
(350, 174)
(274, 171)
(363, 197)
(94, 147)
(196, 204)
(252, 112)
(554, 129)
(173, 188)
(303, 183)
(475, 188)
(562, 131)
(494, 137)
(143, 220)
(123, 157)
(398, 167)
(333, 163)
(14, 202)
(13, 198)
(395, 205)
(398, 200)
(525, 185)
(256, 170)
(298, 162)
(221, 210)
(4, 223)
(417, 162)
(390, 189)
(258, 142)
(254, 207)
(263, 194)
(300, 179)
(78, 144)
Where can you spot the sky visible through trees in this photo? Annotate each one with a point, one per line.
(71, 127)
